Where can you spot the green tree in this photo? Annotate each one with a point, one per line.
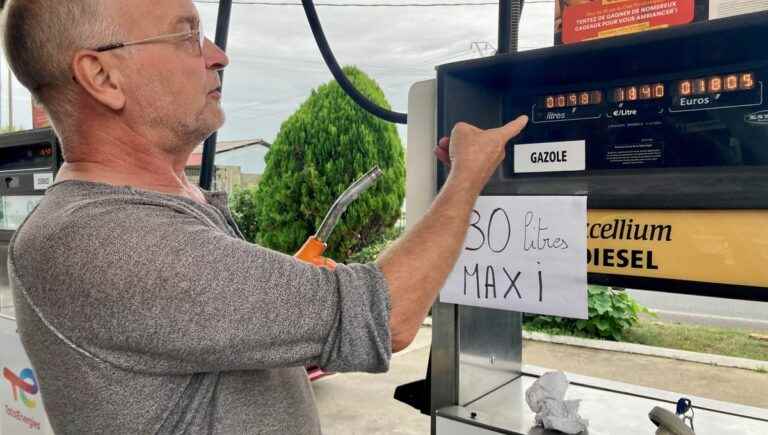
(320, 149)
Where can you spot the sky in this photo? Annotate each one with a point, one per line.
(275, 63)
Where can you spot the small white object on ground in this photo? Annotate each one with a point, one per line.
(546, 398)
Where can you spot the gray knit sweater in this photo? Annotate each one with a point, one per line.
(146, 313)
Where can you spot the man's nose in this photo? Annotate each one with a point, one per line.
(215, 58)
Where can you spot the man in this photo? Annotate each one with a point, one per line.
(140, 305)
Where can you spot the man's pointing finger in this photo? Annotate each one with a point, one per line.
(513, 128)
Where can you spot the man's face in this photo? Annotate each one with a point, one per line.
(172, 87)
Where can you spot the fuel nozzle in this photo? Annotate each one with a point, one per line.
(343, 201)
(313, 249)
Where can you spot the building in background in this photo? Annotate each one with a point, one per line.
(238, 163)
(39, 116)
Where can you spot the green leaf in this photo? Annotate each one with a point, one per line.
(603, 325)
(602, 306)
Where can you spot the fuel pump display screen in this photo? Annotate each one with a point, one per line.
(29, 160)
(718, 119)
(27, 157)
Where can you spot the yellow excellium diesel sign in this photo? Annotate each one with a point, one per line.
(720, 246)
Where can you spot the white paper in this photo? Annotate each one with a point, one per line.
(524, 253)
(546, 397)
(729, 8)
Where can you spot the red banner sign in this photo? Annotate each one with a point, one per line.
(595, 19)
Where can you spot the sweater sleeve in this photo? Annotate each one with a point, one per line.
(156, 290)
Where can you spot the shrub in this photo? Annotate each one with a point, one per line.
(243, 202)
(371, 252)
(612, 312)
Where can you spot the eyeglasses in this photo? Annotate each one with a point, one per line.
(196, 34)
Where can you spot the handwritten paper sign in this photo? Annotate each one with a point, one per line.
(524, 253)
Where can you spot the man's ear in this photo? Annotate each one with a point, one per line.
(98, 79)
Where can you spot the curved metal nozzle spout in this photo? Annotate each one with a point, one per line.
(343, 201)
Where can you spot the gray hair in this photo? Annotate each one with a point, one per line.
(41, 38)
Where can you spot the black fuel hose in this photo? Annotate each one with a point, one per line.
(338, 74)
(510, 12)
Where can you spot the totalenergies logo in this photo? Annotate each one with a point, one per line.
(23, 386)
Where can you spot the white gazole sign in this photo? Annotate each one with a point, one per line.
(550, 157)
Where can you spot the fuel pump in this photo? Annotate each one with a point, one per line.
(665, 134)
(30, 160)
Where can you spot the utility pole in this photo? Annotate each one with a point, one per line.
(2, 31)
(207, 165)
(1, 93)
(10, 99)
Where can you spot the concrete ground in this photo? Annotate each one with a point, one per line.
(363, 404)
(719, 383)
(358, 403)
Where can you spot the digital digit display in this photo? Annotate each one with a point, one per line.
(619, 95)
(686, 87)
(27, 156)
(700, 86)
(717, 84)
(746, 81)
(645, 92)
(549, 102)
(45, 151)
(634, 93)
(573, 99)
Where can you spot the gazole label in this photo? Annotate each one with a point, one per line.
(550, 157)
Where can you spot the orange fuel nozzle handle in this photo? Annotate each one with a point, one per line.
(314, 247)
(312, 252)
